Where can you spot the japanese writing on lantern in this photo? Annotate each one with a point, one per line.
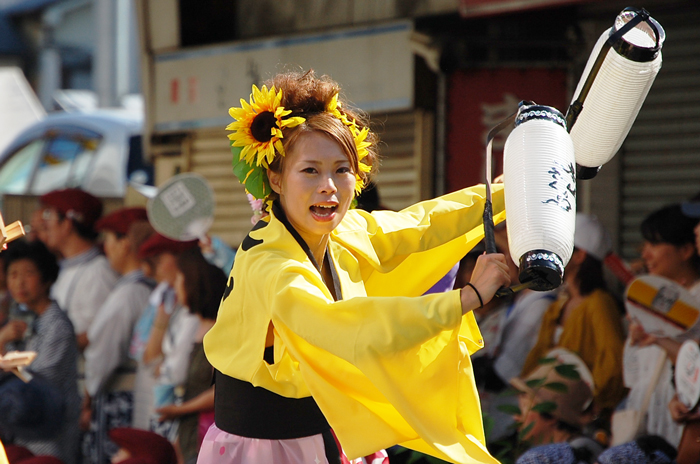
(563, 186)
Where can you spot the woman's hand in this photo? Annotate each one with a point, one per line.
(639, 336)
(169, 412)
(85, 413)
(680, 412)
(13, 330)
(490, 273)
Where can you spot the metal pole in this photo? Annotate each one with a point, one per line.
(104, 75)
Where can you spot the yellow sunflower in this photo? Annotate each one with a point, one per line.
(258, 126)
(359, 137)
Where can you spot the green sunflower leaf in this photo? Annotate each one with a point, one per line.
(546, 360)
(254, 177)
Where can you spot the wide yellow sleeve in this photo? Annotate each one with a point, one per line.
(384, 370)
(407, 252)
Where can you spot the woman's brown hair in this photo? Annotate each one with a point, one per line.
(204, 283)
(308, 96)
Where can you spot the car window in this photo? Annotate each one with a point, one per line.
(16, 173)
(65, 161)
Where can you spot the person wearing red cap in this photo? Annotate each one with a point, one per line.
(163, 338)
(109, 372)
(141, 446)
(86, 278)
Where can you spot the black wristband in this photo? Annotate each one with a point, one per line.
(478, 295)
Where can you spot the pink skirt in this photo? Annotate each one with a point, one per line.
(219, 447)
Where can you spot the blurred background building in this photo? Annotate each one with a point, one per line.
(73, 52)
(435, 75)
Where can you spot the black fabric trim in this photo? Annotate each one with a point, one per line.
(282, 217)
(254, 412)
(249, 242)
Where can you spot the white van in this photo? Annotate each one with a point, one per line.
(98, 151)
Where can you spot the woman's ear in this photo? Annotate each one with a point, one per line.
(275, 181)
(687, 251)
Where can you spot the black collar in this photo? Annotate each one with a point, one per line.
(336, 290)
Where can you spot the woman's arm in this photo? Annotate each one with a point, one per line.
(412, 249)
(154, 347)
(200, 403)
(427, 224)
(360, 326)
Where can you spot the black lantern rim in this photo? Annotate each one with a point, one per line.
(531, 112)
(631, 51)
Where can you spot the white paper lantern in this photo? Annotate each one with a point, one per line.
(614, 84)
(539, 176)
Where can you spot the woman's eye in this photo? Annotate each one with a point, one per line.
(309, 170)
(344, 170)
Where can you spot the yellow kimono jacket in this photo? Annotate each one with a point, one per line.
(385, 365)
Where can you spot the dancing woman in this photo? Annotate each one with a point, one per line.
(322, 324)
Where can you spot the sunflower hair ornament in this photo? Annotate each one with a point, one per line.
(257, 134)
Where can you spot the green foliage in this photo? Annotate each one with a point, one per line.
(547, 407)
(509, 409)
(568, 371)
(508, 451)
(523, 433)
(535, 383)
(556, 387)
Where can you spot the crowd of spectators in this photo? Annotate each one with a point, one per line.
(117, 325)
(620, 365)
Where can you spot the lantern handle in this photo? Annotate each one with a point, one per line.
(489, 234)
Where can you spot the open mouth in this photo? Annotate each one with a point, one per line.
(323, 211)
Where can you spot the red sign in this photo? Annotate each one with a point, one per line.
(174, 91)
(478, 100)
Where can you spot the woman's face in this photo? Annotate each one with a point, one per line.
(116, 250)
(666, 259)
(165, 267)
(316, 186)
(25, 284)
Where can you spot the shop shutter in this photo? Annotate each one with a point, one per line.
(210, 156)
(406, 150)
(660, 159)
